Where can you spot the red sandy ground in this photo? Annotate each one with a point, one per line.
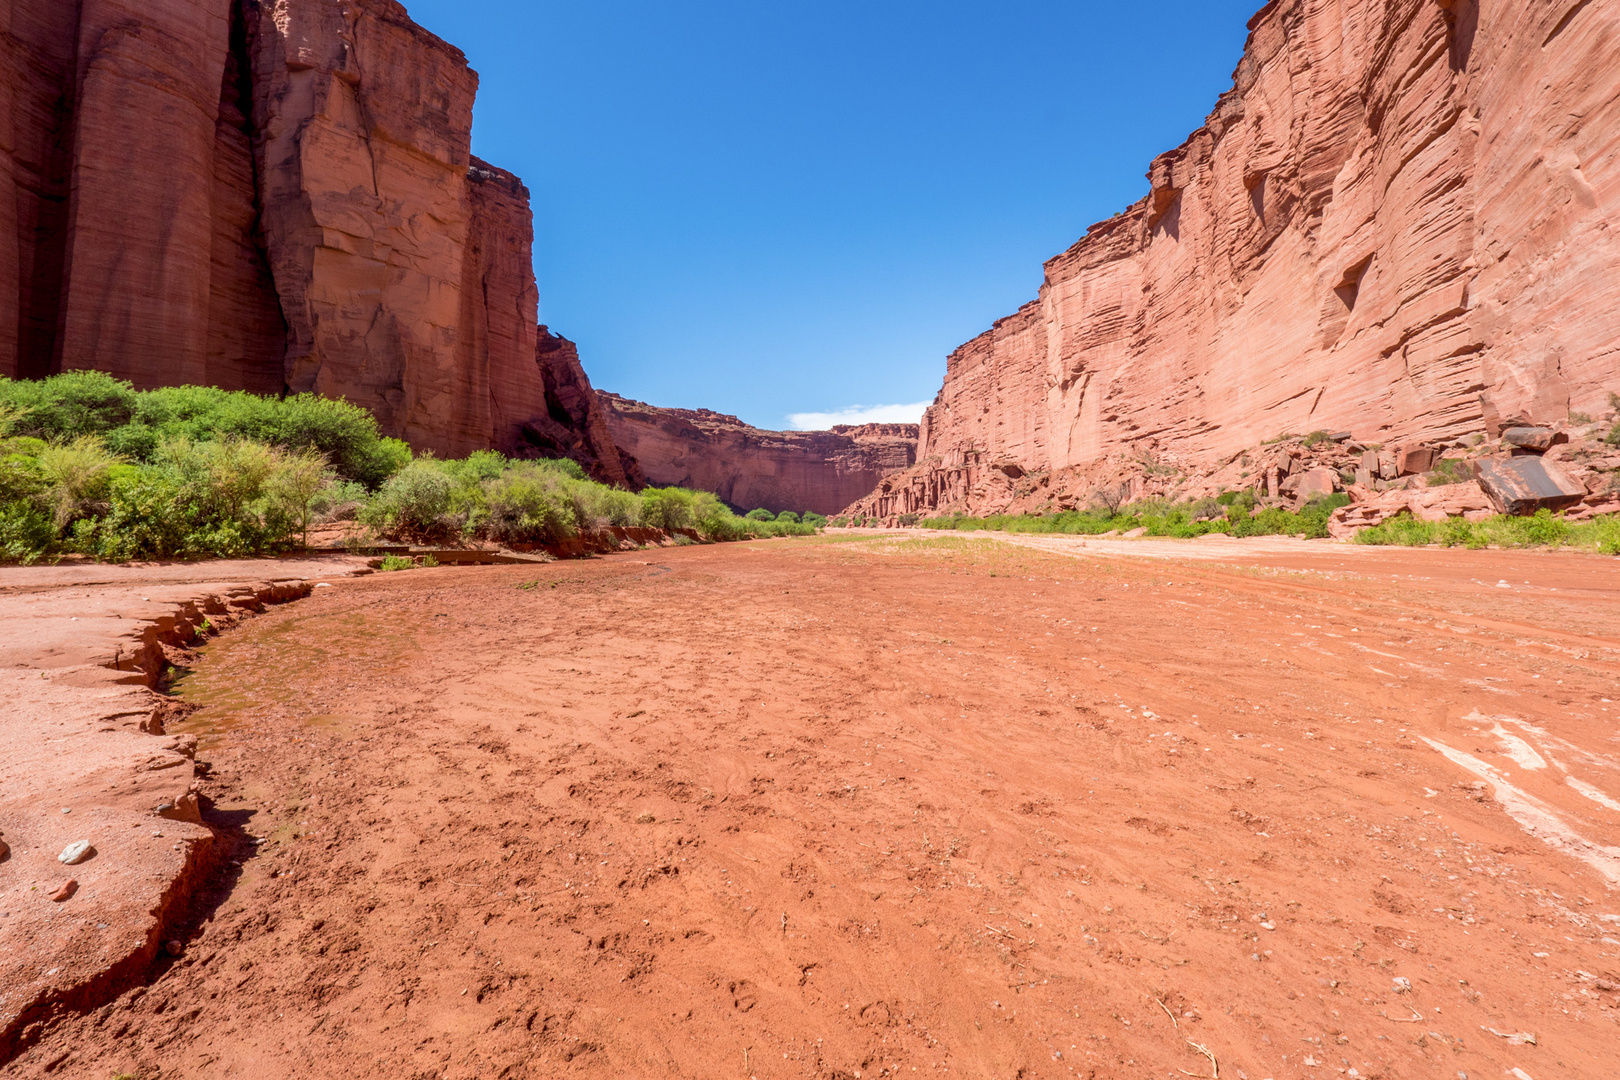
(870, 806)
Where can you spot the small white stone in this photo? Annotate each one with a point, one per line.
(75, 853)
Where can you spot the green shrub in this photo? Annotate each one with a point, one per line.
(666, 508)
(136, 424)
(67, 406)
(1457, 532)
(526, 506)
(1544, 530)
(390, 563)
(89, 464)
(1402, 529)
(26, 533)
(415, 502)
(760, 514)
(788, 517)
(297, 480)
(1605, 535)
(75, 474)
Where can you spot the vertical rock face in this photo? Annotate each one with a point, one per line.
(272, 195)
(575, 423)
(39, 44)
(822, 471)
(365, 122)
(1399, 223)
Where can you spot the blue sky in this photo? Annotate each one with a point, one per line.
(777, 208)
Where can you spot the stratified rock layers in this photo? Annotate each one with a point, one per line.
(1399, 222)
(267, 195)
(820, 471)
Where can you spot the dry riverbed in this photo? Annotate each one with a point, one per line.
(876, 805)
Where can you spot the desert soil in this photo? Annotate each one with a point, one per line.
(869, 806)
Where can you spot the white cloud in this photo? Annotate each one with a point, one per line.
(858, 414)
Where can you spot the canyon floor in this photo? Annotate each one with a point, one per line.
(875, 805)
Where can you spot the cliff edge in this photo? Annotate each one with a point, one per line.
(1397, 224)
(821, 471)
(274, 196)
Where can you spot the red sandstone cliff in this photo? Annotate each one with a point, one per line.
(269, 195)
(821, 471)
(1398, 223)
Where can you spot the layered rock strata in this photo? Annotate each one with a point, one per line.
(820, 471)
(269, 195)
(88, 762)
(1398, 223)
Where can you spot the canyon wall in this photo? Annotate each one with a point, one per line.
(1399, 223)
(820, 471)
(272, 195)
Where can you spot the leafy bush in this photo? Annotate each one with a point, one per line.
(67, 406)
(666, 508)
(75, 473)
(1403, 529)
(25, 533)
(136, 424)
(89, 465)
(788, 517)
(415, 502)
(526, 506)
(760, 514)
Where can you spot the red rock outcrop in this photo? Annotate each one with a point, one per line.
(821, 471)
(269, 195)
(576, 421)
(1398, 223)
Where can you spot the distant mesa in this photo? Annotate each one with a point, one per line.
(822, 471)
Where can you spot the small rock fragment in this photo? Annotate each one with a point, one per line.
(76, 853)
(185, 808)
(174, 948)
(65, 891)
(1403, 986)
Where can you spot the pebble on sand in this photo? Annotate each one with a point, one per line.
(66, 891)
(76, 853)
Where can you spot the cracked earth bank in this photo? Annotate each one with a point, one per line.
(872, 806)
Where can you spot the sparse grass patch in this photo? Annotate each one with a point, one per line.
(1160, 518)
(1600, 534)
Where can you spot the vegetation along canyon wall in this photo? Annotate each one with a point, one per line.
(1399, 223)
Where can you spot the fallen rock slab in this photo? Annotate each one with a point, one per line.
(1539, 439)
(1523, 485)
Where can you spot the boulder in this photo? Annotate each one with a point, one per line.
(1426, 503)
(1311, 483)
(1523, 485)
(1537, 439)
(1414, 459)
